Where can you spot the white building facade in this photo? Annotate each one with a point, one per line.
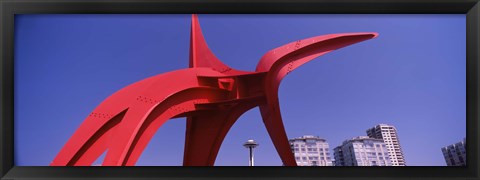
(389, 136)
(362, 151)
(311, 151)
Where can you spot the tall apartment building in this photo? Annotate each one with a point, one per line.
(311, 151)
(389, 136)
(362, 151)
(455, 154)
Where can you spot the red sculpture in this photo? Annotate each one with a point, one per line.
(210, 94)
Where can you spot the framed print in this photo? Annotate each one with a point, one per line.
(185, 89)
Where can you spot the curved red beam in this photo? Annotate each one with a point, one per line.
(210, 94)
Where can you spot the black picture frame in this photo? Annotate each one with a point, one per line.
(8, 9)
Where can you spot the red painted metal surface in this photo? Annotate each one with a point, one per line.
(210, 94)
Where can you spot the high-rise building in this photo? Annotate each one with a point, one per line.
(338, 156)
(389, 136)
(311, 151)
(455, 154)
(362, 151)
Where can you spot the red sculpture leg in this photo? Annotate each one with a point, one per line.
(91, 139)
(88, 142)
(97, 144)
(200, 138)
(273, 122)
(177, 105)
(281, 61)
(205, 134)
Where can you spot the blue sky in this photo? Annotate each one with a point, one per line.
(412, 76)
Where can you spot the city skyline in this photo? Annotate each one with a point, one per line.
(386, 80)
(455, 154)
